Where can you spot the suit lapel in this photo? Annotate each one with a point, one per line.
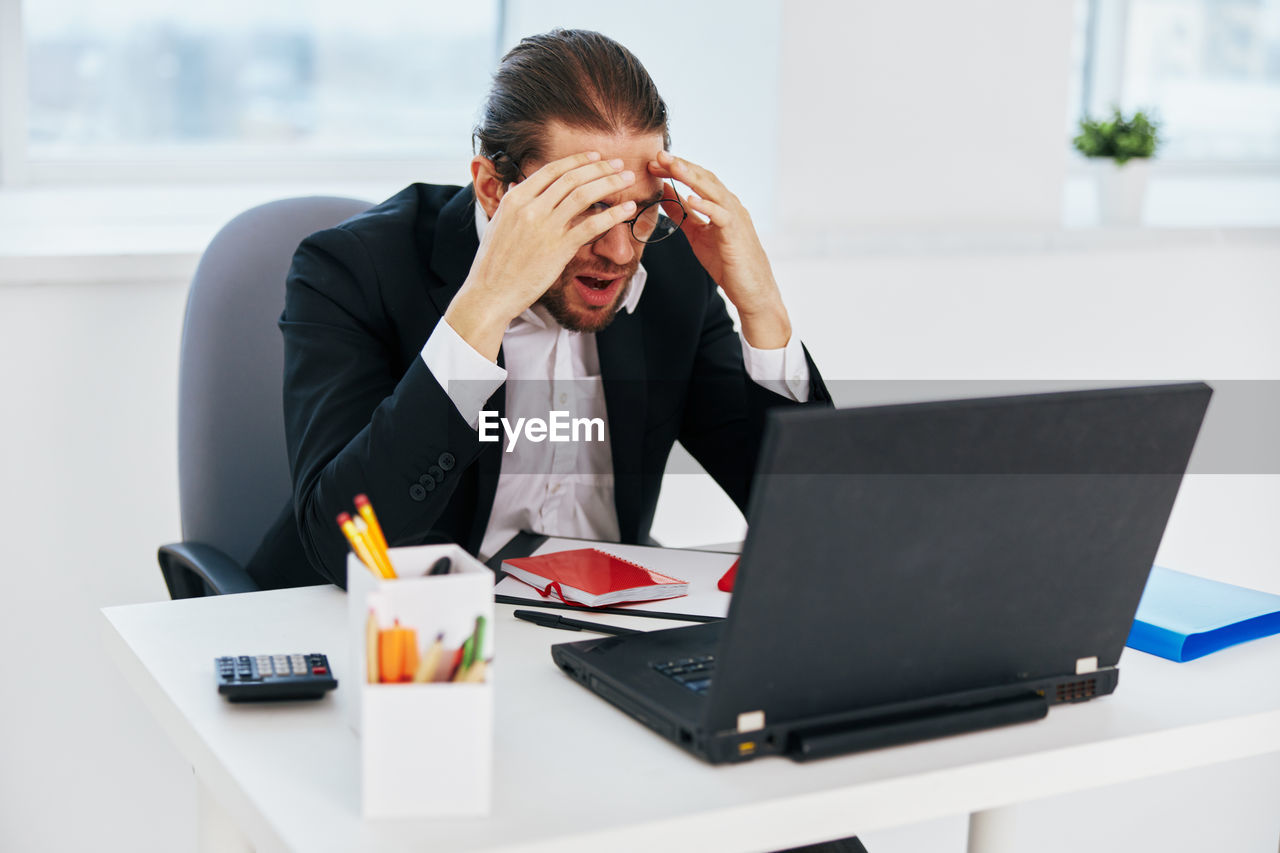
(488, 467)
(623, 374)
(453, 247)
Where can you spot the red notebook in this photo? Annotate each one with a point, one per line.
(593, 578)
(725, 584)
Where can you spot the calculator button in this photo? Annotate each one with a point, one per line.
(318, 670)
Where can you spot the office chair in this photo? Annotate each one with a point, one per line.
(233, 470)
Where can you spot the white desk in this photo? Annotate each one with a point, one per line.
(573, 773)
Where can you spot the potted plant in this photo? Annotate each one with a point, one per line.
(1122, 148)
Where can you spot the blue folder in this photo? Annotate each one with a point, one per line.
(1182, 617)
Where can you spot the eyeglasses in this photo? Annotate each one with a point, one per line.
(654, 221)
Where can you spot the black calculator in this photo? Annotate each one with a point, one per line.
(260, 678)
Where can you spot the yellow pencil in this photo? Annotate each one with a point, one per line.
(356, 542)
(380, 560)
(430, 662)
(365, 508)
(475, 673)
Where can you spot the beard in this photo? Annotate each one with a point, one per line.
(562, 303)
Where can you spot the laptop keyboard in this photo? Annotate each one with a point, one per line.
(693, 673)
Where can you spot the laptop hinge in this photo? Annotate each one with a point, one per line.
(876, 732)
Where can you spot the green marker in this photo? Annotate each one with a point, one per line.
(478, 637)
(468, 655)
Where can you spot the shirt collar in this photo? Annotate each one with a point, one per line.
(535, 314)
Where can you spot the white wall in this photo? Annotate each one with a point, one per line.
(88, 450)
(921, 113)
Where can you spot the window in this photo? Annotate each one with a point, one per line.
(1209, 69)
(245, 81)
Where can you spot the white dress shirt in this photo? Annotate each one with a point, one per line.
(562, 488)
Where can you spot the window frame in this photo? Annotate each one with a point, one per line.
(13, 93)
(1107, 35)
(188, 165)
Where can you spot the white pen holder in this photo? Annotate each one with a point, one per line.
(426, 744)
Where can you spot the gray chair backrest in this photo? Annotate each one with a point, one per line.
(233, 469)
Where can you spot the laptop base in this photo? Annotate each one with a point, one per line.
(831, 735)
(810, 743)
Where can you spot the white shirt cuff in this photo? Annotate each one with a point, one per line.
(783, 371)
(466, 376)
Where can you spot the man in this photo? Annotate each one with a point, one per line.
(411, 330)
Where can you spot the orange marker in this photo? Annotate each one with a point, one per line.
(397, 653)
(356, 542)
(390, 654)
(409, 638)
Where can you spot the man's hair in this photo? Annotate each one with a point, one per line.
(579, 78)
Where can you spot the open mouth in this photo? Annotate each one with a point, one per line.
(597, 292)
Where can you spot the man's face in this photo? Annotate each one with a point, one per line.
(588, 294)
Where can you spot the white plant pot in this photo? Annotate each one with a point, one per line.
(1122, 189)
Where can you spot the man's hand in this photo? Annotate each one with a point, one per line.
(532, 237)
(728, 248)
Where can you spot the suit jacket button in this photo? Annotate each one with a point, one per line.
(417, 492)
(437, 472)
(446, 461)
(427, 482)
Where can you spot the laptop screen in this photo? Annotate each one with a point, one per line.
(914, 550)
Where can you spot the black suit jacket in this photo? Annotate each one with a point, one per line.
(363, 413)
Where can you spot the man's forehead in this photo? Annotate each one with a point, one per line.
(634, 149)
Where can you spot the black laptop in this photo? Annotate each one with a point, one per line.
(918, 570)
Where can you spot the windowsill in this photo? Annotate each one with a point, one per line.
(1185, 206)
(1013, 240)
(157, 233)
(114, 232)
(1185, 197)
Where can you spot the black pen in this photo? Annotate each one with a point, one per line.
(551, 620)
